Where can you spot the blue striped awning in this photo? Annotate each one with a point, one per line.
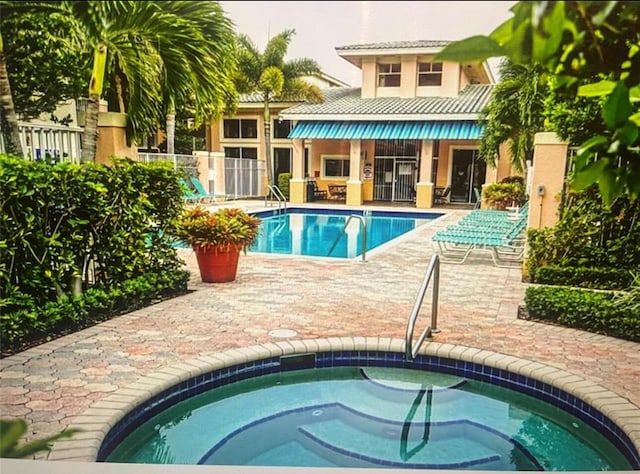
(388, 130)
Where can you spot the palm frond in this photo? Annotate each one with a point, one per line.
(298, 90)
(276, 49)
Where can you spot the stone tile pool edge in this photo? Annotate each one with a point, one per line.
(97, 421)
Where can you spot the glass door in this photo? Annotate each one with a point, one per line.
(467, 173)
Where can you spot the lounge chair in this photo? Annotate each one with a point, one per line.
(502, 237)
(202, 193)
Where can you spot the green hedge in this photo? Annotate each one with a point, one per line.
(34, 324)
(584, 277)
(65, 227)
(283, 183)
(593, 311)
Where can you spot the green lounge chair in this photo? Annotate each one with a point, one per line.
(503, 240)
(202, 193)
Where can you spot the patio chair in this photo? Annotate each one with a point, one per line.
(202, 193)
(317, 193)
(441, 196)
(337, 192)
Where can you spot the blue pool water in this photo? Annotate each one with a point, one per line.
(369, 417)
(318, 232)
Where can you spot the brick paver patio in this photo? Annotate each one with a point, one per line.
(52, 384)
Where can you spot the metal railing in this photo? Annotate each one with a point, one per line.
(49, 141)
(363, 234)
(274, 191)
(433, 271)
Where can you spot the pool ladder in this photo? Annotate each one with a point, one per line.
(363, 222)
(433, 272)
(274, 191)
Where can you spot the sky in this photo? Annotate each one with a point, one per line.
(321, 26)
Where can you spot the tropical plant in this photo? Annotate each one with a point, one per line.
(514, 113)
(225, 228)
(274, 79)
(43, 61)
(592, 49)
(154, 53)
(503, 195)
(11, 431)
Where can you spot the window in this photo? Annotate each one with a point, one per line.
(240, 128)
(429, 74)
(281, 161)
(389, 75)
(248, 153)
(281, 128)
(336, 167)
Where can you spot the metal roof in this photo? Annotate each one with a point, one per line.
(388, 130)
(395, 45)
(346, 104)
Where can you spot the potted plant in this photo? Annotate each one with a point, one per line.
(217, 239)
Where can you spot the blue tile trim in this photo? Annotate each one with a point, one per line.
(348, 212)
(471, 370)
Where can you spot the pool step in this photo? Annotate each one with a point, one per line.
(392, 385)
(385, 446)
(343, 436)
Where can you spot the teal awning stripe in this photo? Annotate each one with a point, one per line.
(388, 130)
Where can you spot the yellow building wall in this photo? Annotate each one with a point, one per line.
(112, 138)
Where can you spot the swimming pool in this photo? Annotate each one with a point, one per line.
(319, 232)
(350, 408)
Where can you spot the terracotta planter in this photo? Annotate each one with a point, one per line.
(217, 264)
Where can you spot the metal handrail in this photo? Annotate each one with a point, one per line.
(432, 271)
(364, 235)
(275, 191)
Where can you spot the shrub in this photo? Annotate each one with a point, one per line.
(584, 277)
(588, 234)
(60, 221)
(503, 195)
(593, 311)
(22, 328)
(283, 183)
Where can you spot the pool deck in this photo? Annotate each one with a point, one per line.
(54, 383)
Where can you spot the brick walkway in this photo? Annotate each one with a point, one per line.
(52, 384)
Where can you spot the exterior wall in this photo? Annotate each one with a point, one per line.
(112, 138)
(369, 79)
(409, 78)
(453, 79)
(549, 161)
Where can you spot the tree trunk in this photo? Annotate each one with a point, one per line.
(90, 135)
(267, 143)
(171, 133)
(9, 117)
(121, 106)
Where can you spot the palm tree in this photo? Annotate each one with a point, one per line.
(176, 51)
(515, 113)
(8, 118)
(275, 79)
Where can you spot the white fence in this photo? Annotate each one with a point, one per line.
(51, 141)
(243, 177)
